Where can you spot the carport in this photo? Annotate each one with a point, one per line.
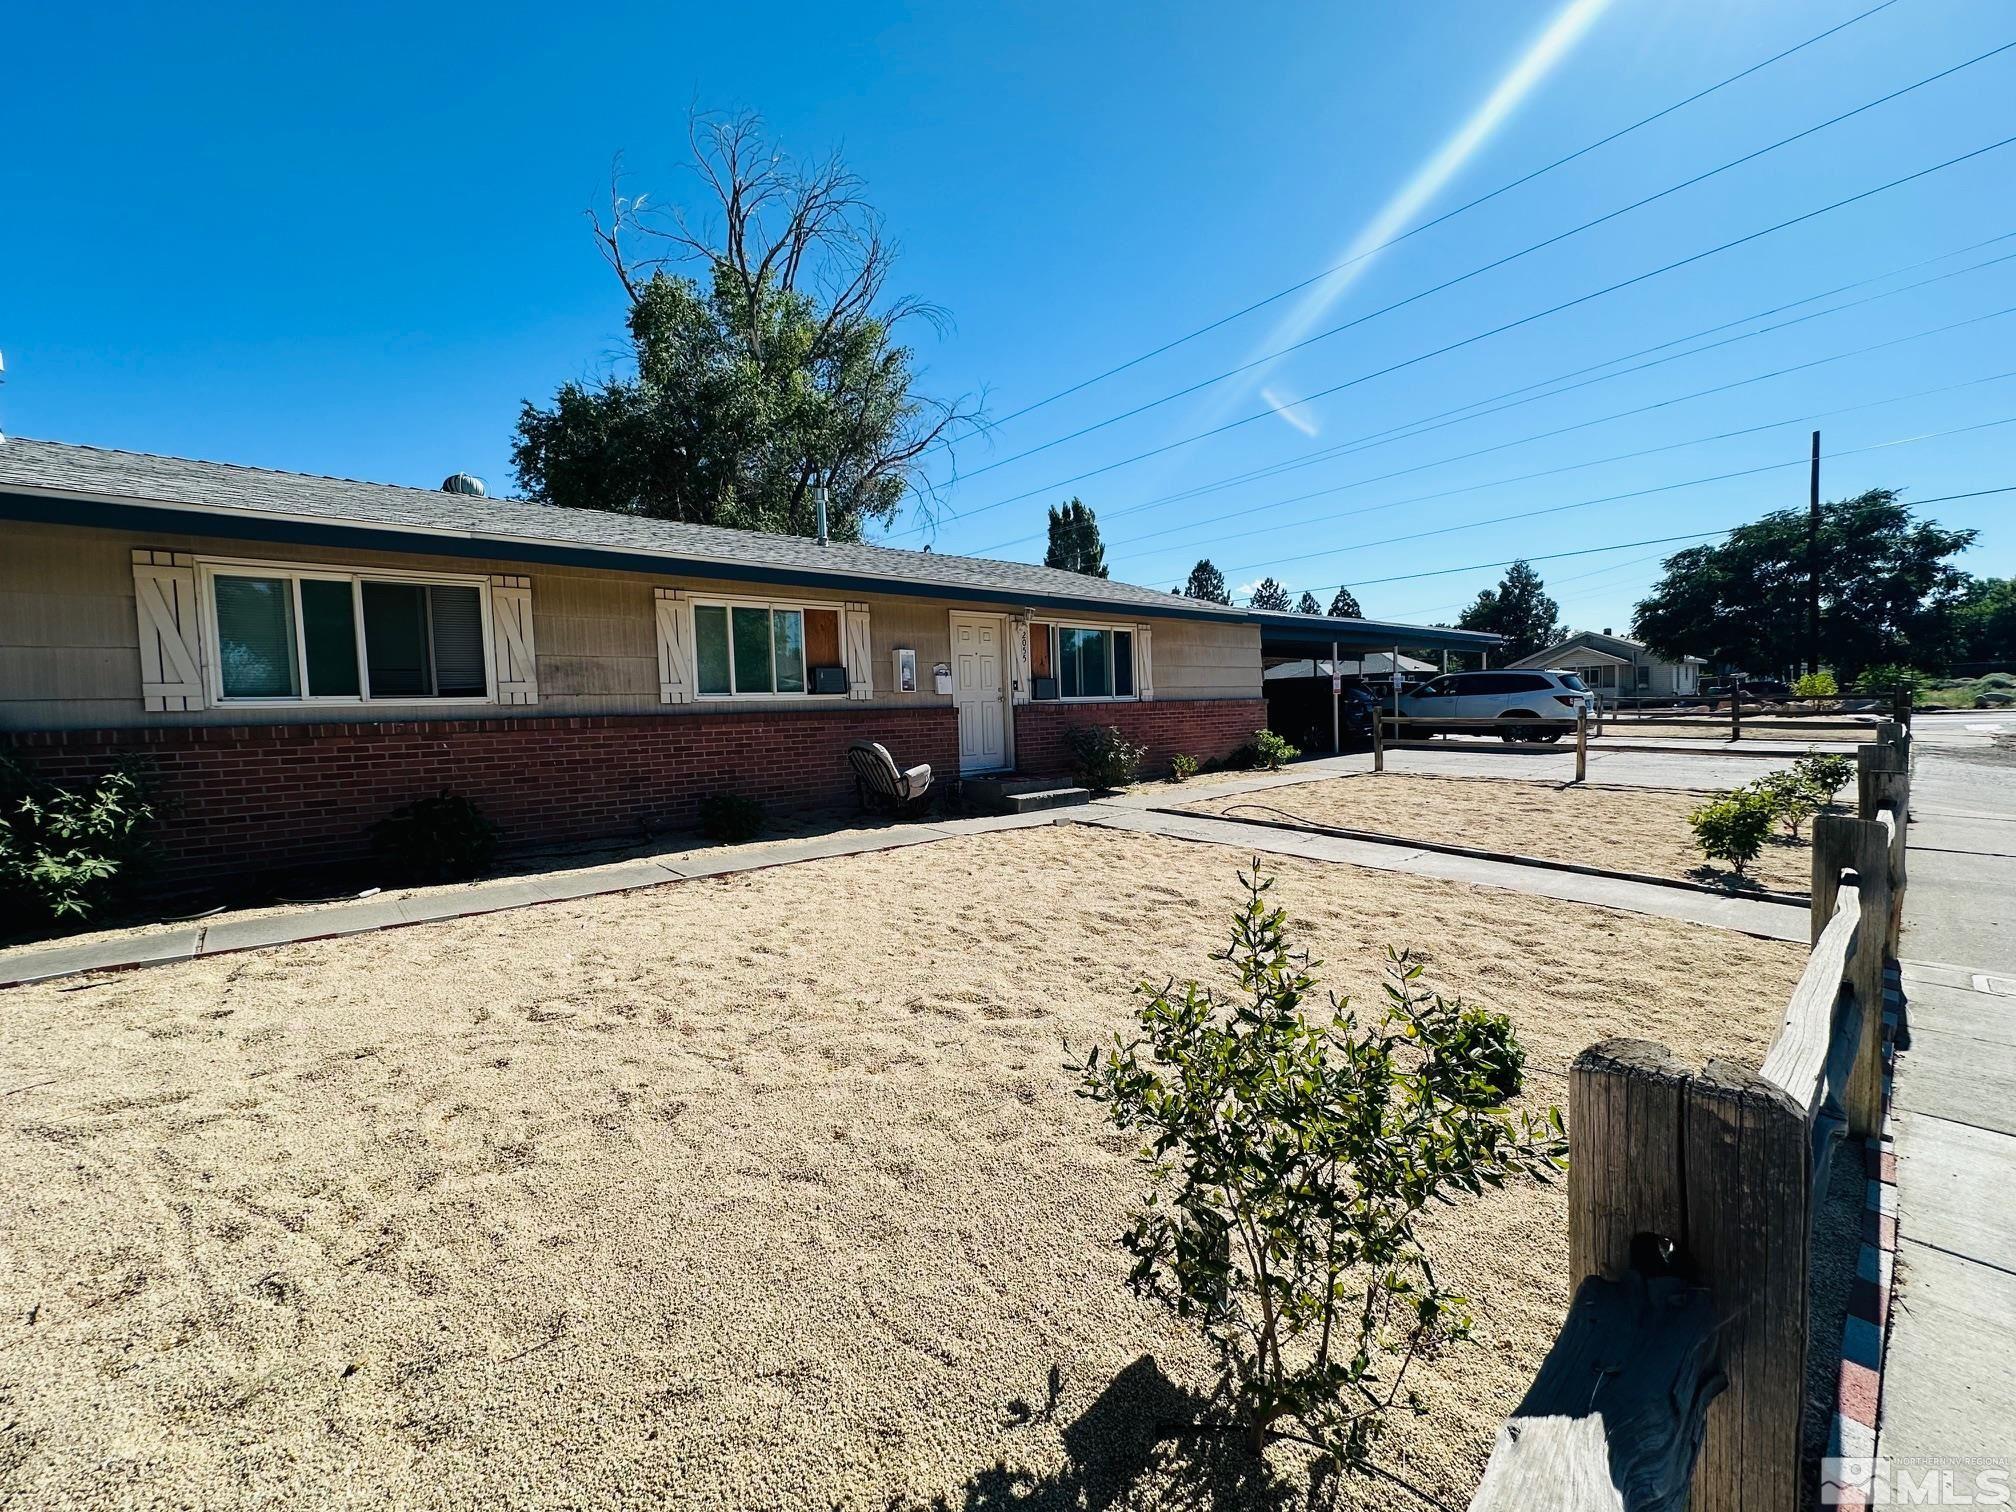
(1287, 636)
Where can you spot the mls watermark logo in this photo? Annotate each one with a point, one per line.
(1881, 1482)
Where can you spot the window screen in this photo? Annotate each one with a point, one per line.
(710, 646)
(1123, 663)
(329, 636)
(787, 640)
(752, 649)
(255, 637)
(455, 616)
(395, 640)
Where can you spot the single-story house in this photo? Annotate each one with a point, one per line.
(296, 655)
(1613, 667)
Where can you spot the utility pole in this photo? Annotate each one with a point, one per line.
(1813, 563)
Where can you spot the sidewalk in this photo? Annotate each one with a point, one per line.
(1949, 1378)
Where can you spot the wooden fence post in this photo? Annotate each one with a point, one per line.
(1883, 780)
(1748, 1175)
(1864, 846)
(1626, 1100)
(1582, 744)
(1736, 714)
(1378, 741)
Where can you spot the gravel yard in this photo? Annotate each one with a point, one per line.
(1640, 830)
(762, 1191)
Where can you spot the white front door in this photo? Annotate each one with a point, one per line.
(979, 692)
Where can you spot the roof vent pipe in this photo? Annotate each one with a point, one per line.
(821, 497)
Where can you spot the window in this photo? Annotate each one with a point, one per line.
(285, 634)
(758, 650)
(1089, 662)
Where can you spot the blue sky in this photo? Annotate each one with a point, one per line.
(350, 241)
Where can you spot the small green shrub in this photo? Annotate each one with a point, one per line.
(68, 851)
(1104, 758)
(1291, 1152)
(1819, 684)
(1793, 800)
(1182, 768)
(730, 819)
(1825, 775)
(444, 838)
(1888, 677)
(1271, 751)
(1732, 827)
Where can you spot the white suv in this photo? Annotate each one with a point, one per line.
(1527, 705)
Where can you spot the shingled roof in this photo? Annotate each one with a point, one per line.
(420, 519)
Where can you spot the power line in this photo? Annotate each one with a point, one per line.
(1408, 430)
(1637, 493)
(1655, 556)
(1498, 330)
(1505, 188)
(1555, 556)
(1488, 267)
(1657, 404)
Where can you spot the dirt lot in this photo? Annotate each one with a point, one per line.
(762, 1191)
(1641, 830)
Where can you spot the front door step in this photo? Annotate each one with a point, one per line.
(1021, 795)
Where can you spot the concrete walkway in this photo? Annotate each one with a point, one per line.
(1124, 811)
(325, 921)
(1776, 921)
(1949, 1379)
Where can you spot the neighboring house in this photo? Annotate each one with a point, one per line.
(1614, 667)
(296, 655)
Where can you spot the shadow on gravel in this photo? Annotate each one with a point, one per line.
(1145, 1442)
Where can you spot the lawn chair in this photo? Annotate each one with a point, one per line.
(880, 783)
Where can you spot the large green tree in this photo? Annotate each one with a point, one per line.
(1268, 594)
(1074, 540)
(771, 366)
(1984, 621)
(1888, 591)
(1345, 605)
(1207, 583)
(1307, 604)
(1518, 609)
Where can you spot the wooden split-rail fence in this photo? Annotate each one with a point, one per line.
(1679, 1377)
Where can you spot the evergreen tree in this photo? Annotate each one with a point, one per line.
(1269, 595)
(1345, 606)
(1074, 541)
(1307, 604)
(1207, 583)
(1517, 609)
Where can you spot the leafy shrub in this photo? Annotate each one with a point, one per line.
(1732, 827)
(1291, 1154)
(1819, 684)
(1825, 775)
(1103, 758)
(1887, 677)
(1792, 799)
(1182, 768)
(440, 839)
(730, 819)
(67, 851)
(1271, 751)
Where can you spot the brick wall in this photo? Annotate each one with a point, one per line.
(255, 797)
(1203, 728)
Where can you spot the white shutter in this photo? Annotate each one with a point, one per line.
(1144, 657)
(675, 647)
(860, 653)
(171, 660)
(1020, 626)
(511, 643)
